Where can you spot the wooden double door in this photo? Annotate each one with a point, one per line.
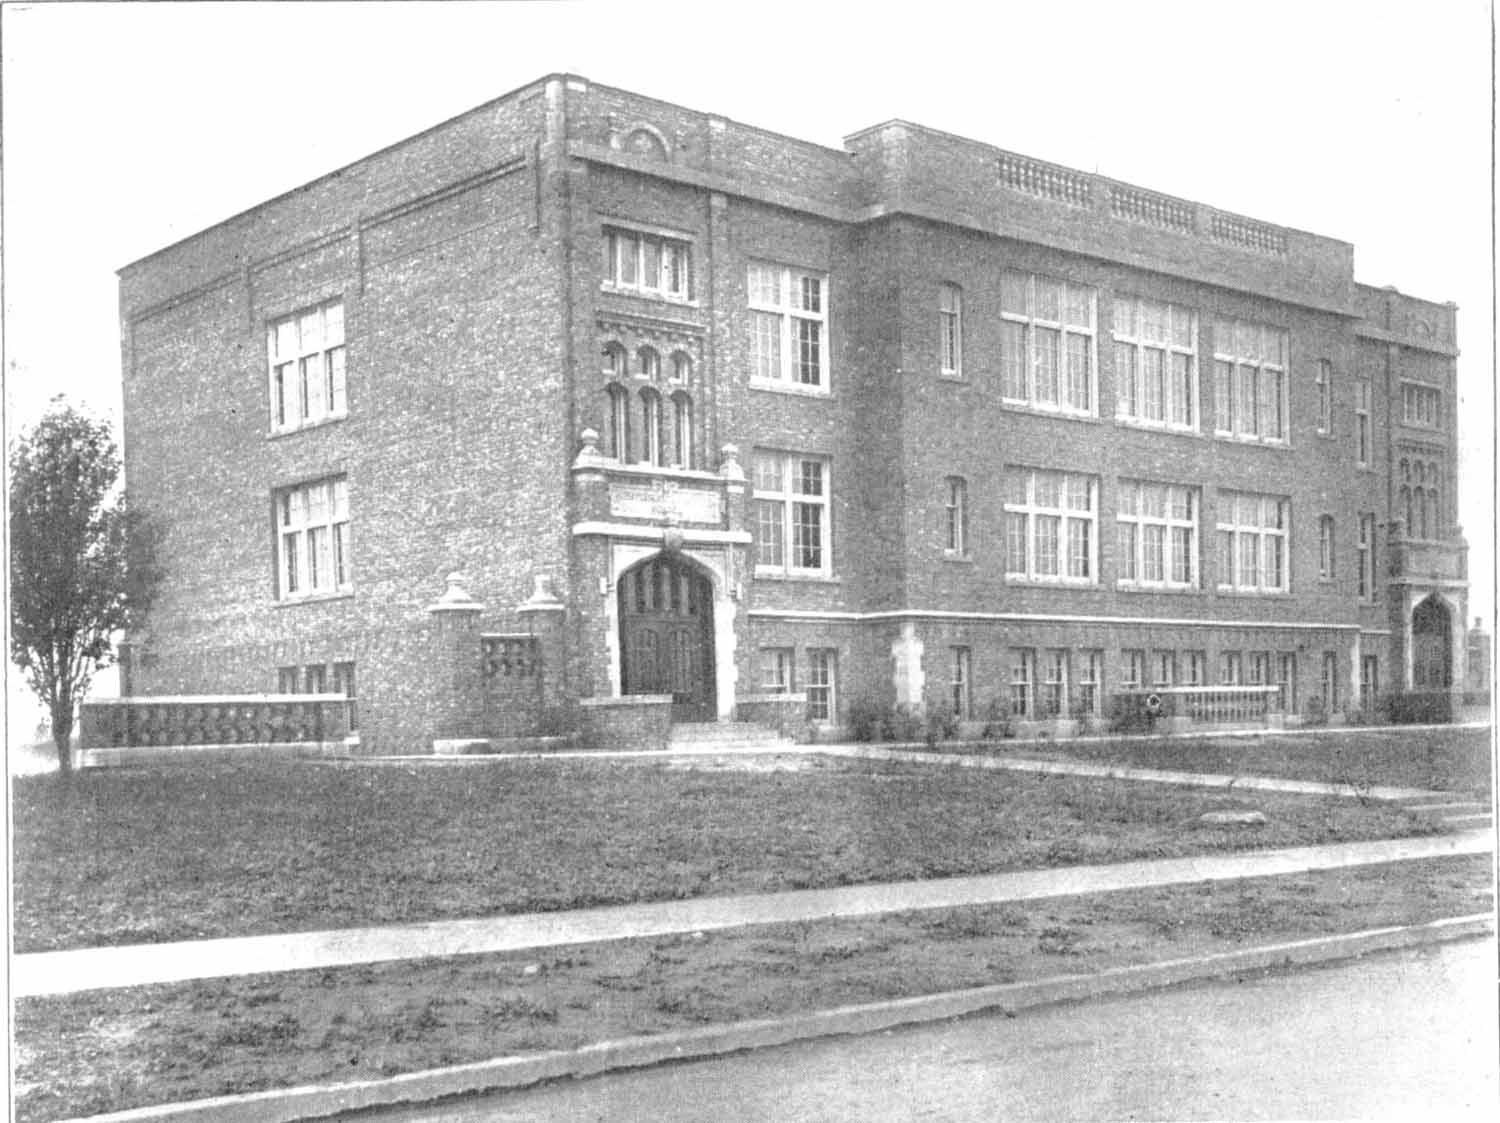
(667, 635)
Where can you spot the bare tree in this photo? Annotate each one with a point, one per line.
(83, 566)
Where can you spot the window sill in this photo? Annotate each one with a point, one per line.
(1252, 442)
(1049, 411)
(810, 578)
(1051, 582)
(648, 295)
(289, 430)
(1158, 427)
(313, 598)
(796, 389)
(1158, 590)
(1253, 594)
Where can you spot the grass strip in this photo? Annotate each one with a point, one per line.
(110, 1050)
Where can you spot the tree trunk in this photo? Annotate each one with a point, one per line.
(62, 734)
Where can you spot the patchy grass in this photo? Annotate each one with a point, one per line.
(1448, 760)
(182, 853)
(117, 1049)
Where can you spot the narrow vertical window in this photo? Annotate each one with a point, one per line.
(1054, 683)
(1366, 551)
(950, 331)
(1325, 547)
(1362, 424)
(776, 670)
(963, 703)
(1090, 675)
(1325, 397)
(822, 682)
(682, 430)
(617, 442)
(1330, 683)
(1022, 676)
(956, 515)
(653, 448)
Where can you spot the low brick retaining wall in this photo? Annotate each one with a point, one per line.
(634, 721)
(785, 713)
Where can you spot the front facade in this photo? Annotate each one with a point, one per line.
(917, 422)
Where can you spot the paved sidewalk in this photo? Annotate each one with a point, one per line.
(66, 972)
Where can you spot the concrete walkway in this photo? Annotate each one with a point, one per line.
(67, 972)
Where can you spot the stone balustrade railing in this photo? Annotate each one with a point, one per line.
(214, 720)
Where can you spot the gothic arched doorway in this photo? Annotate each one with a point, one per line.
(667, 635)
(1431, 645)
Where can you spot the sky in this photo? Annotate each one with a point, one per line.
(127, 126)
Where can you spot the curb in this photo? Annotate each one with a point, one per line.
(501, 1073)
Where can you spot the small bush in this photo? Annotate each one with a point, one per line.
(998, 721)
(941, 724)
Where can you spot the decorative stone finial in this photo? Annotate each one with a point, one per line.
(456, 598)
(589, 455)
(543, 596)
(729, 465)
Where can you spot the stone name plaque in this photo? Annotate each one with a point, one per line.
(665, 500)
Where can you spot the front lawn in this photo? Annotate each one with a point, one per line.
(1449, 760)
(112, 1050)
(146, 855)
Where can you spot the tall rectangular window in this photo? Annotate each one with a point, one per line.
(951, 330)
(1260, 668)
(1250, 365)
(288, 680)
(648, 264)
(1286, 679)
(1369, 681)
(1252, 533)
(956, 516)
(1163, 668)
(1156, 363)
(788, 327)
(1362, 423)
(1325, 548)
(1231, 668)
(313, 539)
(776, 670)
(1421, 405)
(1195, 668)
(791, 514)
(1054, 699)
(1051, 521)
(343, 683)
(1090, 676)
(1325, 397)
(1022, 680)
(962, 685)
(1366, 557)
(1047, 343)
(822, 683)
(1330, 681)
(1156, 532)
(308, 380)
(1134, 669)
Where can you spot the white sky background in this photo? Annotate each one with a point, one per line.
(128, 126)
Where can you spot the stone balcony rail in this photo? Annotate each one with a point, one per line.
(1416, 559)
(214, 720)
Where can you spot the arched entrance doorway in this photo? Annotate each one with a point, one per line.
(667, 635)
(1431, 645)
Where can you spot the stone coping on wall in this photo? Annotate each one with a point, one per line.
(212, 699)
(628, 700)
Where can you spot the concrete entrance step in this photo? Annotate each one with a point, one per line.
(708, 736)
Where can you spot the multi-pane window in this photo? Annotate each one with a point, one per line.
(1050, 520)
(1418, 498)
(951, 330)
(1286, 680)
(1330, 681)
(1133, 669)
(1231, 668)
(1249, 380)
(776, 670)
(962, 685)
(343, 683)
(1022, 680)
(1156, 528)
(287, 680)
(307, 367)
(1252, 532)
(1325, 396)
(1195, 668)
(1362, 423)
(822, 678)
(1369, 680)
(1421, 405)
(1156, 362)
(682, 430)
(315, 679)
(1090, 675)
(1366, 550)
(653, 449)
(788, 326)
(312, 539)
(956, 516)
(1047, 343)
(791, 514)
(1163, 669)
(1054, 695)
(647, 263)
(1260, 668)
(1325, 547)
